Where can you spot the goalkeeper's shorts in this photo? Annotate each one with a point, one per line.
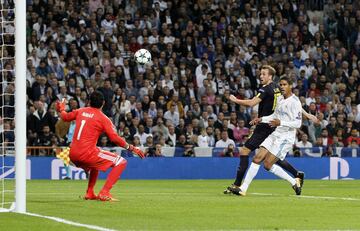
(101, 160)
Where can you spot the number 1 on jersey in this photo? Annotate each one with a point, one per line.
(80, 129)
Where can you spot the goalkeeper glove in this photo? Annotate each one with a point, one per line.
(60, 106)
(137, 151)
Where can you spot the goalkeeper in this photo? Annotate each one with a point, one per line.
(90, 124)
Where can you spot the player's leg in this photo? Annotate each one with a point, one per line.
(258, 136)
(278, 150)
(68, 172)
(299, 175)
(269, 165)
(261, 136)
(243, 166)
(119, 165)
(252, 172)
(90, 194)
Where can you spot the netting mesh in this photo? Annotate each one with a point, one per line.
(7, 101)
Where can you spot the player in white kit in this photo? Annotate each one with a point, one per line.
(286, 118)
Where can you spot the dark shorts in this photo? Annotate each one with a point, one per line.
(260, 133)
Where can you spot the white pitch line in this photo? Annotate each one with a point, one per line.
(264, 194)
(198, 193)
(310, 197)
(331, 198)
(61, 220)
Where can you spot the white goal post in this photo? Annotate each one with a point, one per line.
(20, 106)
(13, 37)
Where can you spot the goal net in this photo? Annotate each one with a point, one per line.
(12, 97)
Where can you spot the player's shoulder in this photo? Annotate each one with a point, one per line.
(295, 98)
(267, 89)
(280, 97)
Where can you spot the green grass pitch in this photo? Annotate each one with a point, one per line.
(192, 205)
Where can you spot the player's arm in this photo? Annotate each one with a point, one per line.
(65, 116)
(245, 102)
(310, 117)
(264, 119)
(267, 119)
(115, 138)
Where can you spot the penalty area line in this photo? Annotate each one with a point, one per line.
(309, 197)
(61, 220)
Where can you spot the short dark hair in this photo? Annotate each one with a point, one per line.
(96, 99)
(287, 79)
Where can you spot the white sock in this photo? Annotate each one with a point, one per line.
(251, 173)
(282, 174)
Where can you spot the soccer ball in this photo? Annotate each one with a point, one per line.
(142, 56)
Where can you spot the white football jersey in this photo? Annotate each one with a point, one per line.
(289, 112)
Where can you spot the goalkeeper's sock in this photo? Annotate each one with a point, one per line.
(92, 179)
(282, 174)
(114, 175)
(287, 166)
(244, 164)
(251, 173)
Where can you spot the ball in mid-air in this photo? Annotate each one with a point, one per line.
(142, 56)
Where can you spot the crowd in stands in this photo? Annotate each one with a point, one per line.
(202, 51)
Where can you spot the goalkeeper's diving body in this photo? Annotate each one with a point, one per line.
(90, 124)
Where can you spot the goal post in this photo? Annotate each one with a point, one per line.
(20, 106)
(13, 106)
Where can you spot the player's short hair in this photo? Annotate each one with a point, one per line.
(96, 99)
(270, 69)
(287, 79)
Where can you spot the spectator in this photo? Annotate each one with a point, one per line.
(160, 129)
(162, 142)
(44, 139)
(7, 135)
(172, 136)
(230, 151)
(225, 141)
(240, 131)
(142, 134)
(155, 152)
(39, 119)
(303, 143)
(332, 126)
(337, 142)
(353, 139)
(203, 139)
(136, 142)
(197, 59)
(104, 142)
(172, 116)
(108, 96)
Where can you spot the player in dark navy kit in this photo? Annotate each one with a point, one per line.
(266, 98)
